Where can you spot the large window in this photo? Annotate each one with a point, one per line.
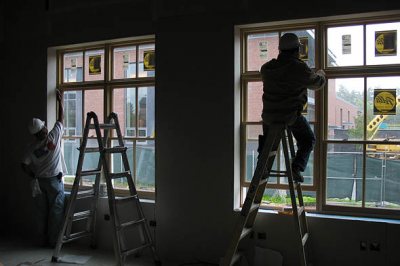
(105, 79)
(356, 117)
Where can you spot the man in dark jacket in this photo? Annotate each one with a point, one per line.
(285, 83)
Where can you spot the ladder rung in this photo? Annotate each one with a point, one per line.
(102, 126)
(275, 173)
(304, 239)
(90, 172)
(91, 149)
(82, 215)
(115, 149)
(75, 236)
(85, 194)
(125, 199)
(245, 232)
(131, 223)
(119, 175)
(135, 250)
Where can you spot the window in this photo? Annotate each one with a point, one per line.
(89, 85)
(356, 117)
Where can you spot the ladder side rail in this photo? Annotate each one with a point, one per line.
(289, 136)
(303, 260)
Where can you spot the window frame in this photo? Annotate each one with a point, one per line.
(107, 85)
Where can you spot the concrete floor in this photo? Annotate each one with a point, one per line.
(20, 253)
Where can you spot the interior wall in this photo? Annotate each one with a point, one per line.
(195, 106)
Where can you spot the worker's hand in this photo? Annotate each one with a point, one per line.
(59, 95)
(320, 72)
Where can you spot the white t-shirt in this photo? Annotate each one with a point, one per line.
(45, 156)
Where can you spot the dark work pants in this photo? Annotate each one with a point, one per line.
(305, 139)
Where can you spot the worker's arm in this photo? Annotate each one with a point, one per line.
(27, 170)
(60, 116)
(313, 80)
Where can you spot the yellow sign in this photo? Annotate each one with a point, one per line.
(149, 60)
(386, 43)
(385, 102)
(95, 65)
(304, 48)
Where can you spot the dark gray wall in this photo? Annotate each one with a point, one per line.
(194, 100)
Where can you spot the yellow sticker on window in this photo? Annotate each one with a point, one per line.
(385, 102)
(386, 43)
(304, 48)
(149, 60)
(95, 65)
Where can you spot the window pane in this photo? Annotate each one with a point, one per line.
(150, 60)
(72, 113)
(346, 108)
(73, 67)
(345, 46)
(380, 124)
(124, 62)
(383, 43)
(261, 47)
(344, 175)
(309, 111)
(94, 65)
(145, 165)
(382, 180)
(90, 162)
(71, 154)
(94, 100)
(307, 50)
(117, 165)
(124, 104)
(254, 101)
(146, 109)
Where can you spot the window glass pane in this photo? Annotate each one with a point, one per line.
(94, 65)
(261, 47)
(344, 175)
(124, 105)
(146, 60)
(71, 154)
(307, 50)
(146, 112)
(117, 165)
(124, 62)
(383, 43)
(91, 162)
(346, 108)
(309, 110)
(93, 102)
(73, 67)
(72, 113)
(382, 180)
(145, 165)
(254, 101)
(345, 46)
(383, 123)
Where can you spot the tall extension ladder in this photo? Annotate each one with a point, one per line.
(245, 223)
(65, 235)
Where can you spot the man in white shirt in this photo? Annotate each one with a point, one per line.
(42, 162)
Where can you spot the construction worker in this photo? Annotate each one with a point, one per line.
(285, 83)
(42, 162)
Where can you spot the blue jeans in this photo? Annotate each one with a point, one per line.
(305, 139)
(49, 209)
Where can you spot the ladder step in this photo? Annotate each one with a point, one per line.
(125, 199)
(275, 173)
(131, 223)
(115, 149)
(92, 149)
(82, 215)
(90, 172)
(135, 250)
(245, 232)
(85, 194)
(119, 175)
(102, 126)
(76, 236)
(304, 239)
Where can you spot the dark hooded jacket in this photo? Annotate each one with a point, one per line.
(285, 83)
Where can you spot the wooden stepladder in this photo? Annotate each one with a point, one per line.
(277, 133)
(105, 149)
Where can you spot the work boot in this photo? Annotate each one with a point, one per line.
(297, 177)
